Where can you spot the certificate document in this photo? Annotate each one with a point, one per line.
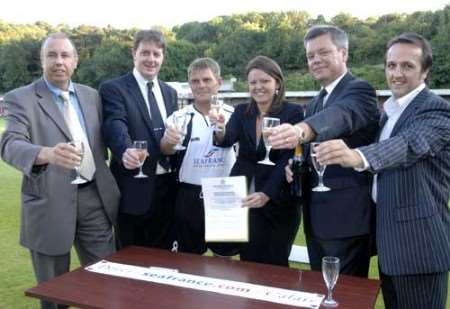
(225, 218)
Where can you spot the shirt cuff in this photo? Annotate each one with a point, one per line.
(366, 165)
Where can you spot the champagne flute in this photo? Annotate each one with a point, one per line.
(320, 169)
(141, 149)
(181, 121)
(330, 273)
(79, 146)
(267, 123)
(216, 106)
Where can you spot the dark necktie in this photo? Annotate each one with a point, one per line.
(319, 101)
(158, 123)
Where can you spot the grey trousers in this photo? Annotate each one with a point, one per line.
(93, 240)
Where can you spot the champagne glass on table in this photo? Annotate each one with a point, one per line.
(216, 106)
(79, 146)
(181, 121)
(267, 124)
(330, 273)
(320, 169)
(141, 149)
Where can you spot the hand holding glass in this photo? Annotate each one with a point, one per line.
(330, 273)
(140, 148)
(320, 169)
(181, 121)
(79, 146)
(267, 124)
(216, 106)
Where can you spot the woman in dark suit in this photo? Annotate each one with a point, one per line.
(274, 215)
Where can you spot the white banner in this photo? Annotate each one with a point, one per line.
(227, 287)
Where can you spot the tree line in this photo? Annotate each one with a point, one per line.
(232, 40)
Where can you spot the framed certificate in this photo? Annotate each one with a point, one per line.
(225, 218)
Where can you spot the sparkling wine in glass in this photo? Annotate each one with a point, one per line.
(79, 146)
(141, 149)
(320, 169)
(330, 273)
(216, 106)
(181, 121)
(267, 123)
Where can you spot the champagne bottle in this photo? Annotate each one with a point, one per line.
(299, 170)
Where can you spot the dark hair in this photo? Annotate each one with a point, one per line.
(338, 36)
(417, 40)
(57, 36)
(203, 64)
(271, 68)
(154, 36)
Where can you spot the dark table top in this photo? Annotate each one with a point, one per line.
(85, 289)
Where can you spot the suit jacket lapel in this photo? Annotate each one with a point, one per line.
(250, 126)
(135, 92)
(415, 103)
(47, 103)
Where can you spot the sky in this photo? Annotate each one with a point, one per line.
(168, 13)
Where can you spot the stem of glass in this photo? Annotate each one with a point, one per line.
(267, 153)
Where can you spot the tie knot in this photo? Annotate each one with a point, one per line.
(150, 86)
(65, 96)
(323, 93)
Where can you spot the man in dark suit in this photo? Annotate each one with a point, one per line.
(337, 222)
(135, 107)
(43, 117)
(411, 163)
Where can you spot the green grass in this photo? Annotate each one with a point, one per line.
(16, 274)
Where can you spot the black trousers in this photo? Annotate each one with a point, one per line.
(272, 232)
(190, 224)
(353, 253)
(415, 291)
(156, 227)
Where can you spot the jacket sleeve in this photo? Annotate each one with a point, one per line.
(426, 133)
(115, 119)
(16, 147)
(356, 108)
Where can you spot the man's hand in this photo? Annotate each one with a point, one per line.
(130, 159)
(218, 118)
(337, 152)
(288, 172)
(61, 154)
(172, 136)
(284, 136)
(255, 200)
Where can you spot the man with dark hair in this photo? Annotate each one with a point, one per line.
(135, 107)
(43, 118)
(411, 188)
(337, 222)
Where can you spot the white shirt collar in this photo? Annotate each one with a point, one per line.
(142, 81)
(329, 88)
(393, 106)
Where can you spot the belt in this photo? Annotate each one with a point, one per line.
(86, 184)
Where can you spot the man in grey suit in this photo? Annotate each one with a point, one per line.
(55, 213)
(411, 163)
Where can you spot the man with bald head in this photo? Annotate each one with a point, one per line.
(43, 118)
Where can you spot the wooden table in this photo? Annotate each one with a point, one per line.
(81, 288)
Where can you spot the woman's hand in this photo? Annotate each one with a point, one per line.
(255, 200)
